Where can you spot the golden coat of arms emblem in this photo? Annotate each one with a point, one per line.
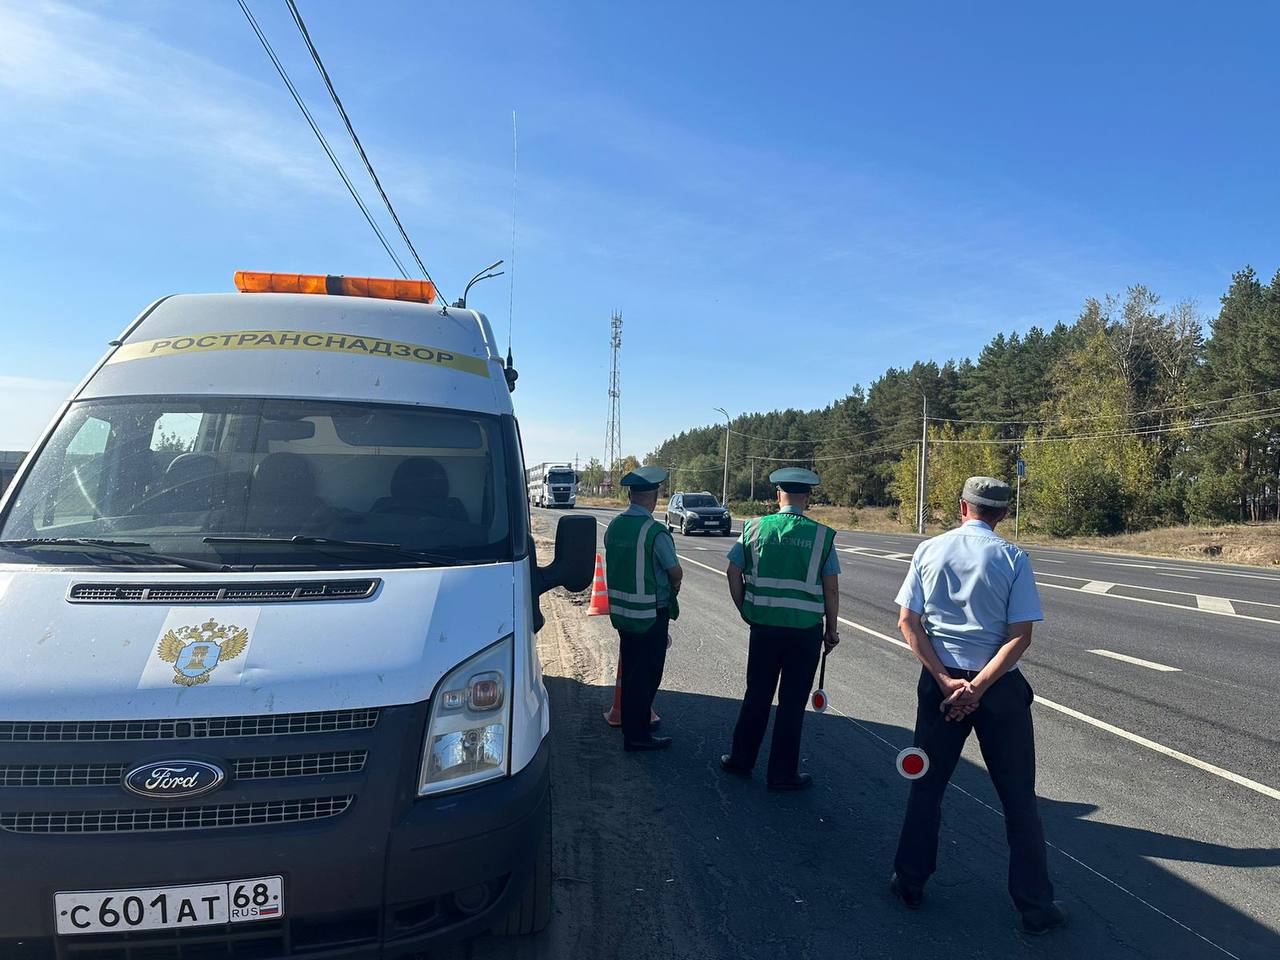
(194, 651)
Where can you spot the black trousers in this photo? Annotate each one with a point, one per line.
(643, 657)
(782, 659)
(1005, 734)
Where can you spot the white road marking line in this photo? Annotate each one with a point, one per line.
(702, 565)
(1141, 741)
(1096, 587)
(1177, 593)
(1180, 576)
(1053, 846)
(1149, 664)
(897, 557)
(1215, 604)
(1176, 606)
(1178, 755)
(1202, 572)
(1047, 560)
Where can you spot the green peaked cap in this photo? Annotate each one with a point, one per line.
(794, 479)
(644, 479)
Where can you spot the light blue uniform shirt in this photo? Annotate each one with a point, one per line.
(738, 556)
(664, 558)
(968, 585)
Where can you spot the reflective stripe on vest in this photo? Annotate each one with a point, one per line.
(782, 580)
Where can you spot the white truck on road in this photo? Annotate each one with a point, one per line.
(552, 485)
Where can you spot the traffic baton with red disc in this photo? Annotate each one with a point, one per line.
(819, 698)
(912, 763)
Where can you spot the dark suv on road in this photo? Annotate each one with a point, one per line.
(693, 512)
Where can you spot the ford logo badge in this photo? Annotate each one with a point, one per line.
(174, 779)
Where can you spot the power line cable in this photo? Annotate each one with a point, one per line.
(1113, 416)
(845, 456)
(351, 131)
(1028, 423)
(333, 159)
(1224, 420)
(834, 437)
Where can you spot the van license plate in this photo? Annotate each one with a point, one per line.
(163, 908)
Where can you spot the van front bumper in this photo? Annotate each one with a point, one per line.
(361, 886)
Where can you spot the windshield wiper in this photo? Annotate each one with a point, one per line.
(375, 546)
(119, 547)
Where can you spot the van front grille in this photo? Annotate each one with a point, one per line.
(304, 765)
(238, 592)
(199, 728)
(62, 775)
(250, 768)
(175, 818)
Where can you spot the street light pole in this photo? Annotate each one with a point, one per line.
(724, 488)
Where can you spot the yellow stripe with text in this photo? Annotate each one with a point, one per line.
(348, 343)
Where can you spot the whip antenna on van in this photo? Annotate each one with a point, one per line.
(511, 280)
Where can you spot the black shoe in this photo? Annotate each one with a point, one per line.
(1042, 921)
(911, 897)
(726, 761)
(801, 781)
(653, 743)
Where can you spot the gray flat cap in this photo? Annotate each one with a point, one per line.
(987, 492)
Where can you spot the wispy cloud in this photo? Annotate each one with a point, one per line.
(75, 84)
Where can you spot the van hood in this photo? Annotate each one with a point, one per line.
(121, 661)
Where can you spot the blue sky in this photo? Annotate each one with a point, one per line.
(782, 201)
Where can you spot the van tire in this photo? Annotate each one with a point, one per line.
(532, 911)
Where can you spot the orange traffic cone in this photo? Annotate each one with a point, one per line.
(613, 716)
(599, 592)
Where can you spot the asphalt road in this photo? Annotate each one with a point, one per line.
(1160, 788)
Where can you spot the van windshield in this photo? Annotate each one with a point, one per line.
(200, 477)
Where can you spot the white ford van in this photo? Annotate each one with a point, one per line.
(268, 598)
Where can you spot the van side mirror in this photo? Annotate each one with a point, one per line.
(573, 565)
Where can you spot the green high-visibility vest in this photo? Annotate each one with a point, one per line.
(782, 578)
(633, 586)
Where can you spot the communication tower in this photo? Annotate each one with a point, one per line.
(613, 435)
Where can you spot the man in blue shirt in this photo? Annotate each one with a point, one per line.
(968, 604)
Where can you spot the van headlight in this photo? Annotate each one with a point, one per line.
(467, 730)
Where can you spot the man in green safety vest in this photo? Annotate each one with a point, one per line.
(784, 577)
(643, 577)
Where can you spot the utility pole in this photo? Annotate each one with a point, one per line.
(753, 478)
(728, 421)
(923, 496)
(613, 434)
(1017, 501)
